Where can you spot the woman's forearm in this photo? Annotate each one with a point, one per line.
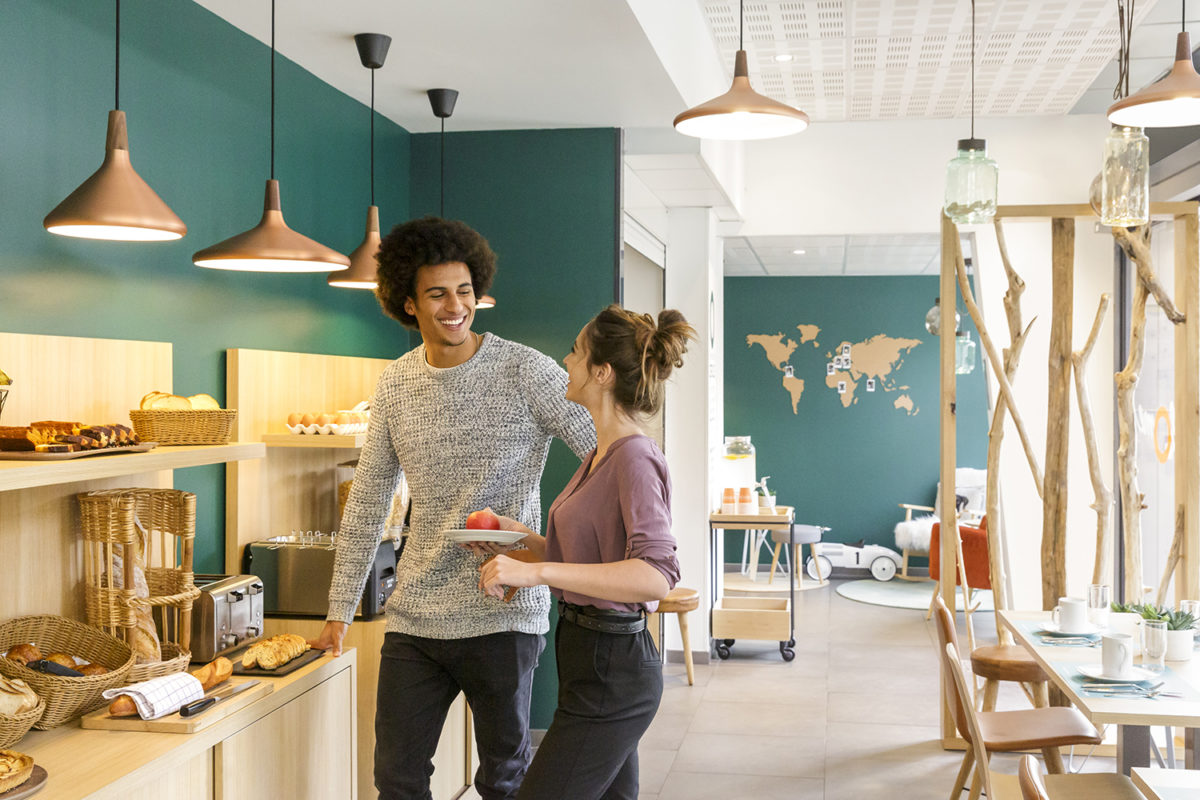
(536, 544)
(629, 581)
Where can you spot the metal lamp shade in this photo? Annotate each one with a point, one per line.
(485, 301)
(1171, 102)
(271, 246)
(363, 266)
(741, 113)
(115, 203)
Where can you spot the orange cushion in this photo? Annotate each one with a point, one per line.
(975, 552)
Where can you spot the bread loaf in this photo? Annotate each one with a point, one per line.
(214, 672)
(24, 653)
(15, 438)
(123, 706)
(16, 697)
(274, 652)
(93, 669)
(63, 659)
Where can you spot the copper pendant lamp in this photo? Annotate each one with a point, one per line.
(1172, 102)
(372, 51)
(271, 246)
(741, 113)
(115, 203)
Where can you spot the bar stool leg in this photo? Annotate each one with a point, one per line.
(1041, 695)
(687, 650)
(991, 690)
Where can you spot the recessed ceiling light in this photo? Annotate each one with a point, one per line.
(783, 57)
(797, 252)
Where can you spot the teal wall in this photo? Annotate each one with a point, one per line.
(196, 94)
(547, 203)
(844, 468)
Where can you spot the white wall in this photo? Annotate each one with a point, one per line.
(1029, 249)
(887, 177)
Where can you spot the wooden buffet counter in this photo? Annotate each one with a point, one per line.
(299, 741)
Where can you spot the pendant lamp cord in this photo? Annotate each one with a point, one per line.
(372, 136)
(972, 69)
(1125, 11)
(742, 24)
(442, 177)
(117, 100)
(272, 89)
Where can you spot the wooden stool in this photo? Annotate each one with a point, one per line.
(679, 601)
(995, 663)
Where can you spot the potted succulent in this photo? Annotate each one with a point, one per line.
(5, 382)
(766, 497)
(1127, 618)
(1180, 641)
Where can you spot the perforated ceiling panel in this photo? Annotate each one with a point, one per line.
(892, 59)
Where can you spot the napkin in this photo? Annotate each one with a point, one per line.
(158, 697)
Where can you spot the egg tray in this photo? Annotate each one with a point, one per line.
(349, 429)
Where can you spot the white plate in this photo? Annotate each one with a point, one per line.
(464, 535)
(1136, 675)
(1089, 630)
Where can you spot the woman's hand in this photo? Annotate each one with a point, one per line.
(500, 572)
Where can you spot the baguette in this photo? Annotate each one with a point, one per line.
(214, 672)
(123, 706)
(274, 652)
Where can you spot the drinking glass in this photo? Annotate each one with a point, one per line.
(1154, 644)
(1099, 599)
(1192, 607)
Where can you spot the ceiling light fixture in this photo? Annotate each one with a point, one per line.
(485, 301)
(741, 113)
(1171, 102)
(1124, 181)
(797, 252)
(971, 176)
(271, 246)
(115, 203)
(783, 58)
(372, 50)
(442, 101)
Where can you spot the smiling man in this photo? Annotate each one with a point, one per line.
(469, 419)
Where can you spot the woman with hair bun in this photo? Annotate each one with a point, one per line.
(609, 557)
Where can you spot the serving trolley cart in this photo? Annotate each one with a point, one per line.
(758, 618)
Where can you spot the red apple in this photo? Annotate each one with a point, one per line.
(483, 520)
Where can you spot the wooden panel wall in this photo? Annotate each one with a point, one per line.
(65, 378)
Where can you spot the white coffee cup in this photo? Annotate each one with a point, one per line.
(1116, 653)
(1070, 615)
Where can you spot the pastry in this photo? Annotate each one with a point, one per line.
(57, 447)
(16, 697)
(15, 769)
(63, 659)
(24, 653)
(16, 438)
(93, 669)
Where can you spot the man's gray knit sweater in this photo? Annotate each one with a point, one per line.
(466, 437)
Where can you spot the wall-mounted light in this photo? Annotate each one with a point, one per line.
(271, 246)
(115, 203)
(372, 51)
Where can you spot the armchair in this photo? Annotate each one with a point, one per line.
(914, 533)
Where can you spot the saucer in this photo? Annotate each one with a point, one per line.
(464, 535)
(1090, 629)
(1096, 672)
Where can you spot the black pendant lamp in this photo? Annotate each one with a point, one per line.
(115, 203)
(271, 246)
(741, 113)
(442, 101)
(372, 51)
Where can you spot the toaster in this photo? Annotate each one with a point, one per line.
(296, 571)
(227, 614)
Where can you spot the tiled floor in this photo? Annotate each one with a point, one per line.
(854, 716)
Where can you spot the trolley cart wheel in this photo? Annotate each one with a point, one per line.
(728, 642)
(791, 642)
(823, 564)
(787, 652)
(722, 651)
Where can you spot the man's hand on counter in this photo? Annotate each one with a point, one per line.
(331, 638)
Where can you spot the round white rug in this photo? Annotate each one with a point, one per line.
(904, 594)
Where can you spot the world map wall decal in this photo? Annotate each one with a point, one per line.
(870, 364)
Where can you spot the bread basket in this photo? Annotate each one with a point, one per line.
(66, 698)
(195, 426)
(174, 659)
(14, 727)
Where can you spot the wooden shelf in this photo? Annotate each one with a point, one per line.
(27, 474)
(320, 441)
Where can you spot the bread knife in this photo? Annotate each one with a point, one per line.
(196, 706)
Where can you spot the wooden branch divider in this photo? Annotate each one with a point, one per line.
(1173, 556)
(1102, 505)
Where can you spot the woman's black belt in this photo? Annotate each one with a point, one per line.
(598, 619)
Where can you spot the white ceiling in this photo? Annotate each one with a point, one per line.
(589, 63)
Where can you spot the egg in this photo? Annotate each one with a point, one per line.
(342, 419)
(294, 419)
(308, 419)
(323, 419)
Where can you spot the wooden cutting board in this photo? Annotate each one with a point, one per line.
(173, 723)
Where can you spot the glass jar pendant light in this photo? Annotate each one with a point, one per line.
(741, 113)
(115, 204)
(971, 177)
(1125, 178)
(271, 246)
(372, 51)
(964, 353)
(933, 318)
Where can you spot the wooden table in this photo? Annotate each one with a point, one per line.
(1133, 716)
(1167, 784)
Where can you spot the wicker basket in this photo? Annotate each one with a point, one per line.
(150, 533)
(13, 728)
(66, 698)
(207, 426)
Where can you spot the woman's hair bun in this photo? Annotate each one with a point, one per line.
(640, 352)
